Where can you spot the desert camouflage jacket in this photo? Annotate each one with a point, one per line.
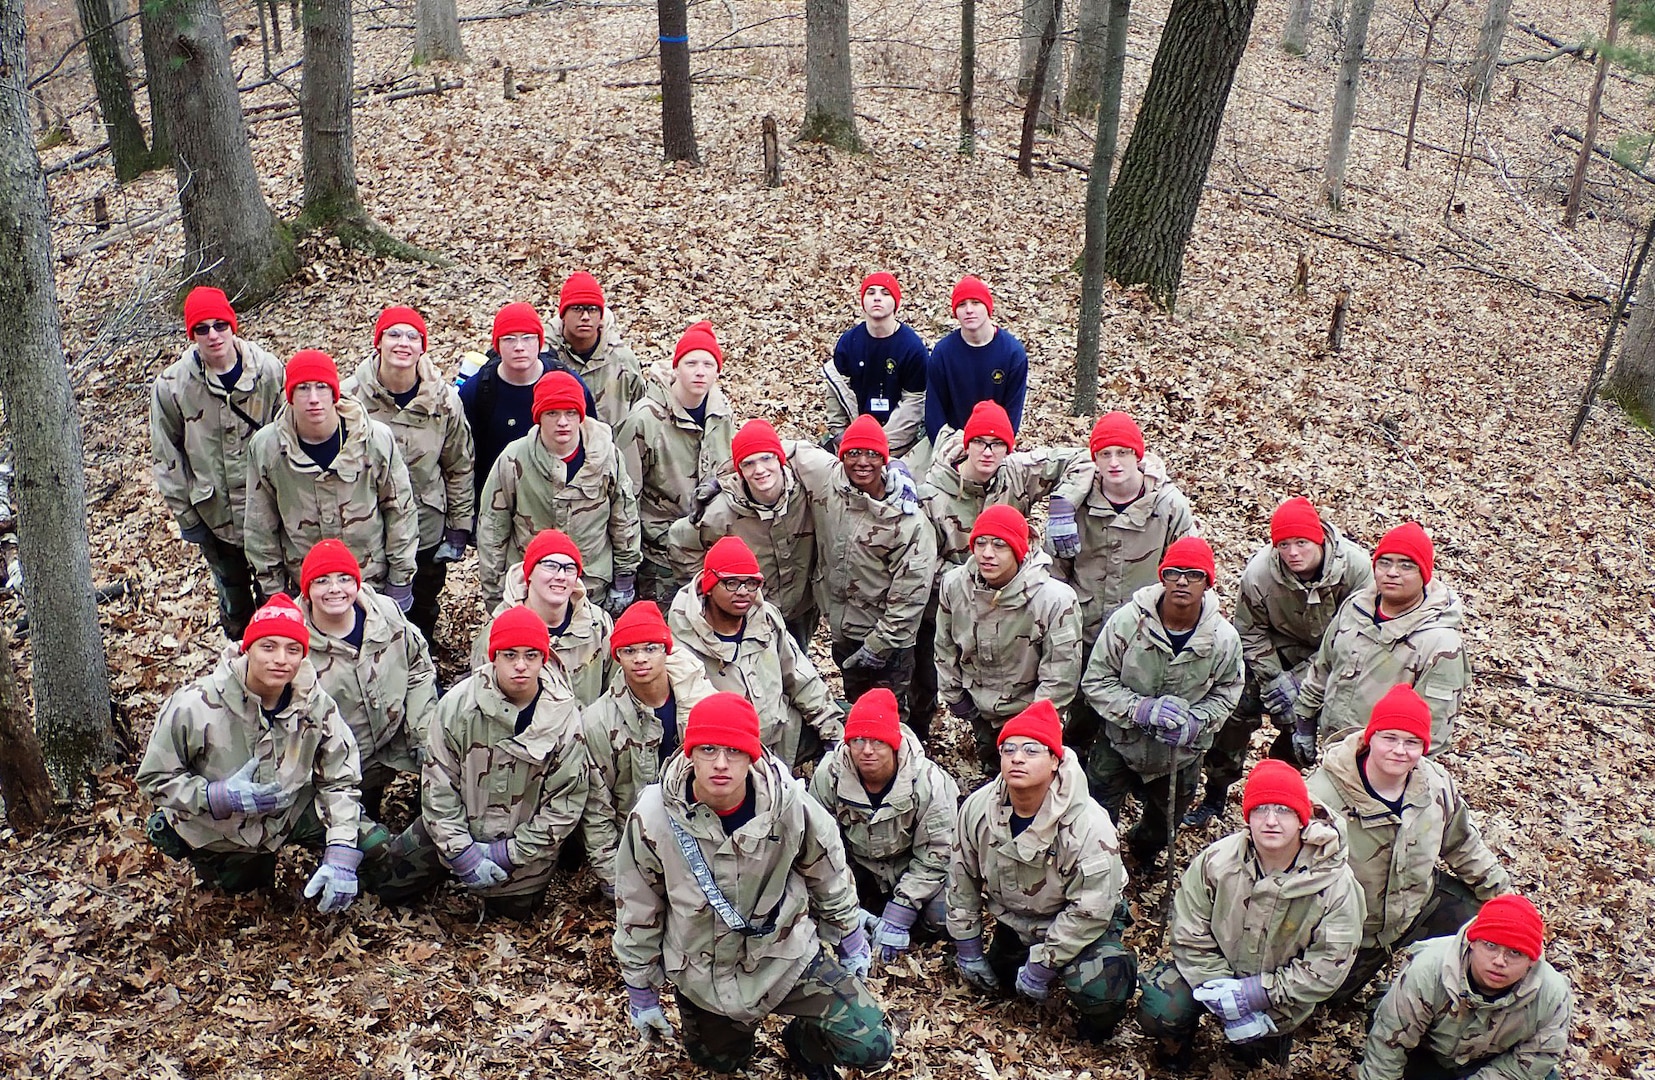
(668, 454)
(613, 373)
(781, 537)
(1281, 619)
(1006, 648)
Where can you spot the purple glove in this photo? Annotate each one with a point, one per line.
(1034, 981)
(238, 794)
(335, 879)
(453, 547)
(973, 967)
(1061, 529)
(476, 870)
(643, 1009)
(892, 934)
(402, 594)
(855, 954)
(500, 854)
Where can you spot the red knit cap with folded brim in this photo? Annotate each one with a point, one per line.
(329, 556)
(558, 390)
(1409, 541)
(205, 303)
(1005, 523)
(1039, 722)
(1189, 553)
(393, 316)
(1276, 783)
(971, 288)
(884, 281)
(865, 433)
(699, 336)
(550, 542)
(1401, 709)
(279, 617)
(1510, 920)
(989, 420)
(518, 628)
(579, 288)
(1116, 429)
(1296, 519)
(875, 716)
(640, 624)
(518, 318)
(310, 365)
(756, 437)
(729, 557)
(723, 720)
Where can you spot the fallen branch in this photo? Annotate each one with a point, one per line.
(1325, 230)
(293, 111)
(1596, 697)
(1559, 129)
(1534, 215)
(1543, 58)
(147, 223)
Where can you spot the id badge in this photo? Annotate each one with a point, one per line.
(879, 405)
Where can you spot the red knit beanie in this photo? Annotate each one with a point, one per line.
(865, 433)
(1039, 722)
(1116, 429)
(311, 365)
(518, 318)
(699, 336)
(1189, 553)
(518, 628)
(550, 542)
(1512, 921)
(1409, 541)
(1296, 519)
(1006, 523)
(1275, 783)
(1401, 709)
(279, 617)
(205, 303)
(884, 281)
(970, 288)
(579, 288)
(729, 557)
(875, 716)
(640, 624)
(989, 421)
(723, 720)
(756, 437)
(558, 390)
(329, 556)
(391, 316)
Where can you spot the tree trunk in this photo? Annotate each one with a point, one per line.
(1577, 183)
(1153, 204)
(1419, 78)
(1633, 383)
(830, 113)
(231, 238)
(1480, 78)
(71, 674)
(1091, 49)
(437, 30)
(677, 117)
(1097, 214)
(24, 782)
(1344, 102)
(1295, 32)
(113, 84)
(1036, 14)
(1037, 90)
(325, 111)
(968, 76)
(154, 50)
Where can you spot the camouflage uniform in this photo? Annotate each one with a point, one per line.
(1358, 662)
(364, 499)
(904, 427)
(612, 373)
(786, 865)
(769, 669)
(528, 491)
(1006, 648)
(1298, 929)
(900, 849)
(211, 728)
(1055, 891)
(1395, 858)
(1432, 1023)
(198, 439)
(581, 650)
(668, 455)
(624, 739)
(1133, 660)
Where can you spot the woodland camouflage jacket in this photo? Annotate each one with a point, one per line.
(1006, 648)
(1281, 619)
(613, 374)
(781, 537)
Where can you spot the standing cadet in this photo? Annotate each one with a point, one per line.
(976, 362)
(203, 412)
(878, 368)
(586, 338)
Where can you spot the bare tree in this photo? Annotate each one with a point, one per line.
(113, 83)
(1037, 89)
(1344, 102)
(436, 30)
(1091, 44)
(1036, 14)
(24, 783)
(331, 196)
(677, 117)
(1480, 77)
(1295, 32)
(1633, 383)
(968, 76)
(1087, 341)
(71, 673)
(1594, 107)
(1431, 21)
(830, 111)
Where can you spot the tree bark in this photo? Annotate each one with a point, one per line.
(231, 237)
(1036, 14)
(1087, 341)
(437, 30)
(1037, 90)
(1344, 102)
(24, 782)
(1577, 183)
(968, 76)
(1419, 79)
(113, 83)
(830, 111)
(1480, 78)
(160, 143)
(325, 115)
(1091, 51)
(1295, 32)
(1633, 382)
(677, 116)
(1153, 204)
(71, 674)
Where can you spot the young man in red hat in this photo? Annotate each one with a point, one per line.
(1290, 592)
(587, 339)
(1483, 1002)
(1264, 927)
(1405, 628)
(978, 361)
(878, 368)
(203, 412)
(724, 621)
(326, 468)
(1403, 814)
(400, 387)
(1165, 674)
(565, 474)
(1034, 851)
(731, 885)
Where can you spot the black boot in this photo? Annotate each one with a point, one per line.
(1175, 1055)
(807, 1069)
(1210, 810)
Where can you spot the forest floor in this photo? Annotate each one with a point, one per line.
(1474, 321)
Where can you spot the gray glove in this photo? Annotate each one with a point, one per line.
(643, 1008)
(898, 476)
(238, 794)
(863, 659)
(974, 968)
(1155, 715)
(705, 493)
(476, 870)
(335, 879)
(622, 593)
(1179, 726)
(1061, 529)
(1233, 999)
(1304, 741)
(403, 595)
(197, 534)
(453, 546)
(1280, 694)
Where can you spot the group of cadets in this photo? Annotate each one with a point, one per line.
(642, 698)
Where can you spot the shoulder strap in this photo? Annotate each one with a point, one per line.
(709, 888)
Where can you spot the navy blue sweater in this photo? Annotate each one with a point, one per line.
(960, 375)
(881, 370)
(509, 410)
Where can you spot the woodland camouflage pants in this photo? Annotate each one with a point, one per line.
(1168, 1011)
(244, 871)
(414, 867)
(233, 579)
(1100, 980)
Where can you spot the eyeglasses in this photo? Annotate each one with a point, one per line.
(980, 444)
(520, 339)
(1116, 453)
(1396, 565)
(741, 584)
(400, 335)
(629, 652)
(993, 543)
(713, 753)
(1274, 811)
(1173, 576)
(1027, 749)
(1504, 952)
(860, 743)
(862, 455)
(583, 309)
(216, 326)
(558, 566)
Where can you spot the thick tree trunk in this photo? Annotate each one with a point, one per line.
(968, 76)
(1594, 107)
(1097, 213)
(1091, 46)
(71, 675)
(1153, 203)
(153, 50)
(113, 83)
(24, 782)
(1633, 382)
(1037, 89)
(437, 30)
(1295, 32)
(677, 117)
(1344, 102)
(1480, 78)
(232, 238)
(325, 111)
(830, 112)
